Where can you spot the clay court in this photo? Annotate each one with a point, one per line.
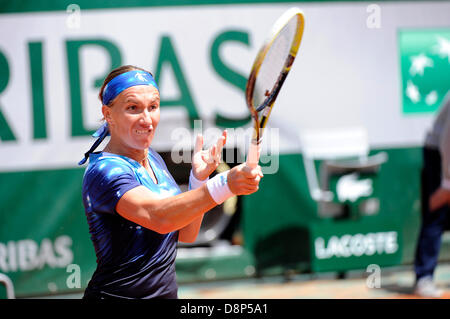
(396, 283)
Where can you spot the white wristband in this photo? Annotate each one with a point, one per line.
(194, 183)
(218, 188)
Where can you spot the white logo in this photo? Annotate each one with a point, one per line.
(350, 188)
(140, 77)
(356, 245)
(419, 63)
(443, 48)
(27, 254)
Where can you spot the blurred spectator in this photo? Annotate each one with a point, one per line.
(435, 196)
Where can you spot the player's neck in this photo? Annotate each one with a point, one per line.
(138, 155)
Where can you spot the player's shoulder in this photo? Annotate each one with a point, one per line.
(108, 164)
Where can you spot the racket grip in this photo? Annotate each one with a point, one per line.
(253, 155)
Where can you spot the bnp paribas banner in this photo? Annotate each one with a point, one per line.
(53, 63)
(360, 65)
(425, 67)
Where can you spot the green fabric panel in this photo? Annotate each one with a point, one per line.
(43, 228)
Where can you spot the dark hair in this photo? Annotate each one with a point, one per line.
(116, 72)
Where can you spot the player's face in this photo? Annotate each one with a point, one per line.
(133, 116)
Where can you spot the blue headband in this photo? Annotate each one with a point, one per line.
(124, 81)
(112, 89)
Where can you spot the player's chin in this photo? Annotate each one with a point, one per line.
(143, 142)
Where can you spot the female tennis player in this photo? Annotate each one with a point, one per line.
(135, 210)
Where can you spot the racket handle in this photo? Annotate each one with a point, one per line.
(253, 155)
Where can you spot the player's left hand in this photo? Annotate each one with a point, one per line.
(204, 162)
(439, 198)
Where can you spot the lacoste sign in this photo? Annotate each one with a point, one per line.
(356, 245)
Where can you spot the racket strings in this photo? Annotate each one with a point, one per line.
(273, 64)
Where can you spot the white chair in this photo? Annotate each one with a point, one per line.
(342, 150)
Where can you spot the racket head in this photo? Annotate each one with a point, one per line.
(271, 66)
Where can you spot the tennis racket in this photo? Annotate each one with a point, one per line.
(269, 71)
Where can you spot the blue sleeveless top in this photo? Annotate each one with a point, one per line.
(132, 261)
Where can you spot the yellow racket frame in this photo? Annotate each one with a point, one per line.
(259, 124)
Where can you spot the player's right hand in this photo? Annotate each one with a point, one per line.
(243, 180)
